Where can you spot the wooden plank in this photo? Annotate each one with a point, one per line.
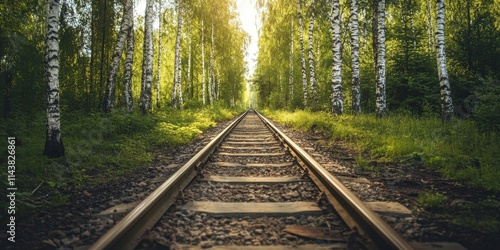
(266, 180)
(251, 142)
(254, 139)
(252, 208)
(250, 148)
(251, 154)
(437, 245)
(262, 165)
(331, 246)
(384, 207)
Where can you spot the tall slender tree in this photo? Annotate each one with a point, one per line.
(302, 57)
(147, 61)
(109, 97)
(129, 62)
(381, 107)
(211, 89)
(444, 84)
(314, 94)
(203, 82)
(356, 88)
(176, 87)
(53, 142)
(290, 75)
(337, 96)
(160, 53)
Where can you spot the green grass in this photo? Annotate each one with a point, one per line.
(431, 200)
(99, 147)
(458, 149)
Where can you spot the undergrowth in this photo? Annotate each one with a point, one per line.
(459, 149)
(99, 147)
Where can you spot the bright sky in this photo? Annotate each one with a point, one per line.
(250, 22)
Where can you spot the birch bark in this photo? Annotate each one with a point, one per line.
(53, 142)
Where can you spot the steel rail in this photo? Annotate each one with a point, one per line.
(126, 234)
(382, 235)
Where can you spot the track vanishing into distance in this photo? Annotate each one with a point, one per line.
(252, 188)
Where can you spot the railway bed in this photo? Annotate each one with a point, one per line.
(253, 187)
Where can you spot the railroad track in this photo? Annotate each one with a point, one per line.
(252, 186)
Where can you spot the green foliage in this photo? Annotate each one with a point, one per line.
(459, 149)
(431, 200)
(487, 110)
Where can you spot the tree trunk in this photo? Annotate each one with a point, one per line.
(430, 27)
(381, 107)
(177, 74)
(129, 62)
(302, 57)
(290, 79)
(147, 61)
(311, 58)
(103, 57)
(356, 88)
(189, 81)
(337, 97)
(212, 69)
(160, 53)
(109, 97)
(53, 142)
(444, 84)
(203, 89)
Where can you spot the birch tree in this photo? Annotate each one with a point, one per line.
(444, 84)
(109, 98)
(147, 61)
(53, 142)
(129, 62)
(302, 57)
(211, 89)
(337, 96)
(381, 107)
(160, 53)
(356, 88)
(203, 83)
(189, 81)
(311, 55)
(177, 67)
(290, 79)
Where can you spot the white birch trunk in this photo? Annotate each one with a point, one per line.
(311, 58)
(290, 79)
(444, 84)
(160, 52)
(179, 82)
(212, 69)
(302, 56)
(109, 98)
(53, 142)
(147, 61)
(189, 81)
(356, 88)
(381, 107)
(129, 62)
(177, 68)
(337, 96)
(203, 83)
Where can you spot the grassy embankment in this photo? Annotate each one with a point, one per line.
(99, 147)
(458, 149)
